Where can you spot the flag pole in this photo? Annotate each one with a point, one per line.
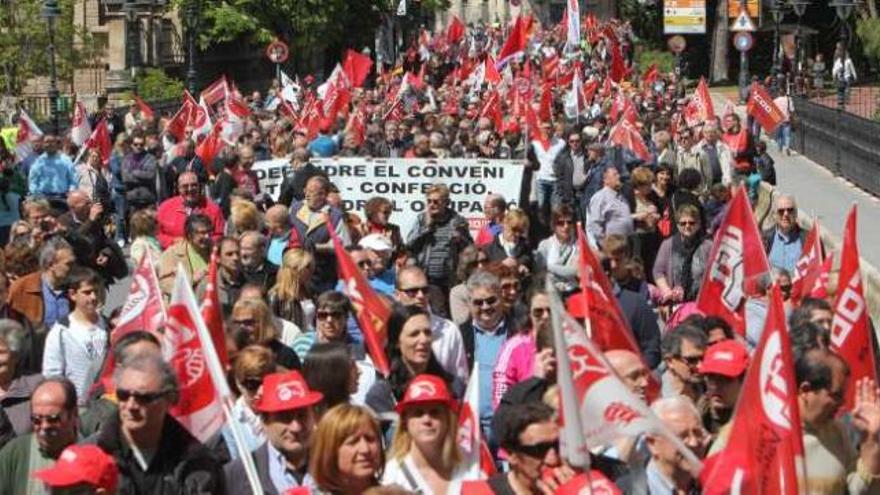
(219, 378)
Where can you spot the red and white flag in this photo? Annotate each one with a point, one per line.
(820, 287)
(765, 453)
(627, 136)
(147, 113)
(80, 129)
(850, 327)
(476, 458)
(212, 312)
(492, 110)
(357, 67)
(191, 115)
(100, 140)
(199, 409)
(208, 149)
(700, 108)
(809, 267)
(573, 35)
(737, 262)
(28, 134)
(516, 42)
(372, 311)
(597, 408)
(216, 92)
(143, 309)
(237, 112)
(763, 109)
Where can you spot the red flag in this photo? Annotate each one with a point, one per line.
(550, 67)
(80, 130)
(606, 88)
(212, 312)
(492, 110)
(849, 329)
(233, 123)
(357, 124)
(809, 266)
(28, 133)
(357, 67)
(765, 455)
(650, 76)
(700, 108)
(371, 310)
(535, 131)
(820, 287)
(588, 92)
(477, 463)
(455, 31)
(545, 110)
(191, 115)
(216, 92)
(146, 112)
(100, 140)
(491, 74)
(762, 108)
(626, 135)
(617, 71)
(209, 147)
(736, 263)
(199, 409)
(516, 42)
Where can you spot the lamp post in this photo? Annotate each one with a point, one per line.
(193, 13)
(800, 8)
(777, 9)
(844, 9)
(132, 40)
(50, 12)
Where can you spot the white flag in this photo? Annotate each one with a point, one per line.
(80, 130)
(574, 24)
(401, 8)
(476, 460)
(28, 134)
(597, 408)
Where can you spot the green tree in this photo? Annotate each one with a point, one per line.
(24, 42)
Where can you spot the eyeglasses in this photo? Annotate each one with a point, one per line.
(538, 450)
(565, 222)
(248, 322)
(142, 398)
(574, 141)
(691, 361)
(364, 264)
(323, 315)
(136, 144)
(540, 312)
(414, 291)
(252, 384)
(687, 223)
(52, 419)
(435, 201)
(489, 301)
(783, 211)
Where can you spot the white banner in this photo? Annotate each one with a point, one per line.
(404, 182)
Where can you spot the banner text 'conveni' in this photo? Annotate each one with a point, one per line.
(405, 181)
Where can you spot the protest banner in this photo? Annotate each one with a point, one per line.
(405, 181)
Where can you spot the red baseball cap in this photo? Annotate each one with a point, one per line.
(425, 389)
(285, 392)
(727, 358)
(81, 464)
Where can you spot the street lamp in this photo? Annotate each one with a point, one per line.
(193, 14)
(50, 12)
(844, 9)
(777, 9)
(132, 40)
(800, 8)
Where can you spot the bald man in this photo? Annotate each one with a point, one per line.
(629, 366)
(280, 238)
(668, 471)
(84, 222)
(173, 212)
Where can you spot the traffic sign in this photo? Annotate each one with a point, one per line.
(743, 41)
(676, 43)
(277, 51)
(743, 23)
(684, 16)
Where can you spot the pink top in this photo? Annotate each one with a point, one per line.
(516, 362)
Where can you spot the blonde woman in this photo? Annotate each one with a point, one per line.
(424, 457)
(252, 324)
(346, 455)
(244, 216)
(290, 297)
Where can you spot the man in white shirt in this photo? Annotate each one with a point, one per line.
(77, 344)
(447, 345)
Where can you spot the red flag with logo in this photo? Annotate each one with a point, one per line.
(626, 135)
(850, 329)
(820, 286)
(199, 408)
(216, 92)
(545, 110)
(492, 110)
(357, 67)
(28, 133)
(809, 266)
(80, 130)
(146, 112)
(372, 311)
(476, 458)
(737, 262)
(455, 31)
(765, 455)
(762, 108)
(100, 140)
(212, 312)
(700, 108)
(491, 74)
(209, 147)
(516, 42)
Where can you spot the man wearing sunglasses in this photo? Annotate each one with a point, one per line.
(154, 452)
(54, 422)
(682, 349)
(784, 242)
(724, 369)
(173, 212)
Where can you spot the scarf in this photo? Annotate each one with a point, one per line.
(683, 251)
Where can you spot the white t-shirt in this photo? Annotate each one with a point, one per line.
(405, 474)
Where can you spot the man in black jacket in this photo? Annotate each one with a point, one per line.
(155, 454)
(288, 418)
(294, 184)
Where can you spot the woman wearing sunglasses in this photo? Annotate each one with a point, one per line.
(251, 364)
(558, 254)
(681, 260)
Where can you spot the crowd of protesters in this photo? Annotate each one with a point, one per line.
(313, 409)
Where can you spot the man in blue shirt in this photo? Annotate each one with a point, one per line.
(325, 145)
(785, 242)
(668, 471)
(52, 174)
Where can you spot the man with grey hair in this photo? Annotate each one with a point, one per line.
(254, 267)
(716, 159)
(483, 335)
(16, 383)
(41, 296)
(668, 471)
(154, 452)
(785, 241)
(293, 187)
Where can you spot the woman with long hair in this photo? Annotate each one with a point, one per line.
(329, 368)
(424, 456)
(252, 324)
(290, 298)
(346, 452)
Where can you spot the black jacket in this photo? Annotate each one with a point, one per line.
(180, 466)
(294, 184)
(469, 339)
(521, 252)
(769, 235)
(643, 323)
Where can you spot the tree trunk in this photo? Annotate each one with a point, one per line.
(720, 39)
